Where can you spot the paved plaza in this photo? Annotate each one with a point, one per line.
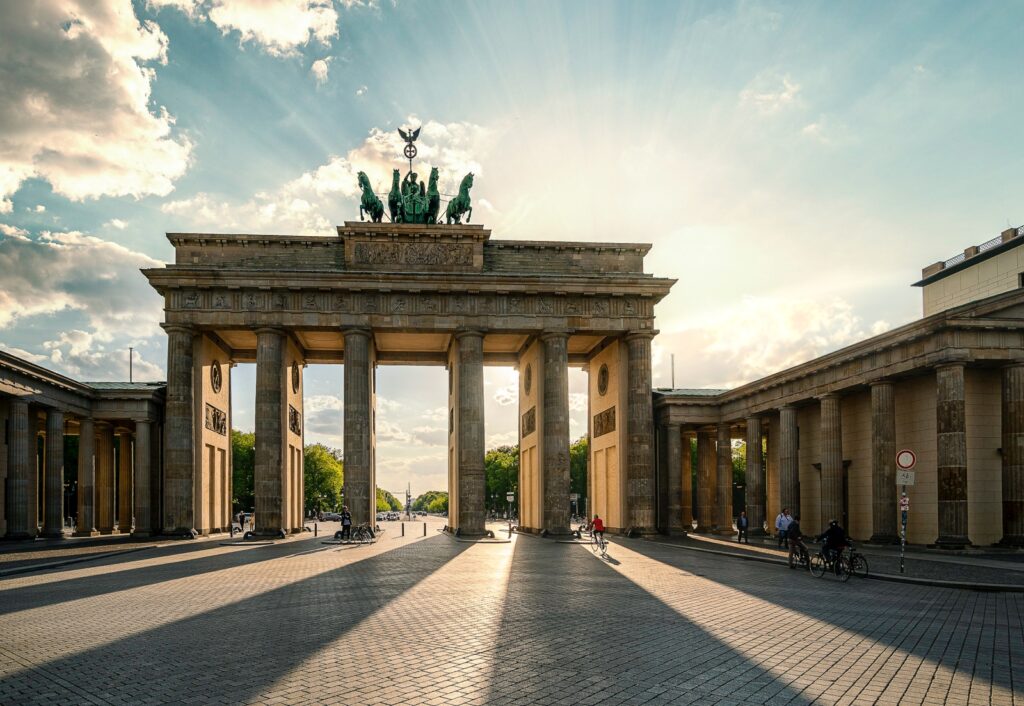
(414, 620)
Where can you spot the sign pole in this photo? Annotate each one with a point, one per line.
(906, 459)
(903, 526)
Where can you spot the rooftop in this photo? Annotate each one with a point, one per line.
(1007, 240)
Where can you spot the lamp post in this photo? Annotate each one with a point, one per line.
(509, 497)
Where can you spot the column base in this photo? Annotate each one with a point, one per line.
(265, 534)
(110, 531)
(952, 543)
(143, 533)
(884, 539)
(19, 535)
(724, 532)
(179, 533)
(701, 529)
(52, 534)
(86, 533)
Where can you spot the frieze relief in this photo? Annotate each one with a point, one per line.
(604, 422)
(216, 420)
(382, 254)
(294, 421)
(529, 422)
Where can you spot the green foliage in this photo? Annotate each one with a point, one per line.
(431, 498)
(739, 462)
(323, 476)
(243, 465)
(501, 471)
(578, 468)
(386, 502)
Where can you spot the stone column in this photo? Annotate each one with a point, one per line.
(723, 500)
(105, 478)
(673, 470)
(831, 459)
(754, 494)
(555, 432)
(1013, 455)
(472, 488)
(952, 458)
(53, 517)
(124, 483)
(883, 463)
(86, 521)
(267, 481)
(686, 516)
(640, 484)
(789, 463)
(179, 434)
(706, 456)
(20, 466)
(360, 495)
(142, 471)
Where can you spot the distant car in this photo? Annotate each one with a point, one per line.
(380, 517)
(332, 517)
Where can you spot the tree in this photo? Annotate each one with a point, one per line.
(387, 502)
(243, 469)
(438, 504)
(424, 502)
(323, 475)
(578, 468)
(501, 474)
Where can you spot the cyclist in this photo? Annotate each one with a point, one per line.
(596, 527)
(796, 541)
(834, 539)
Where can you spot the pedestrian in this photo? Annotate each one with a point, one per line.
(741, 527)
(346, 523)
(241, 521)
(782, 524)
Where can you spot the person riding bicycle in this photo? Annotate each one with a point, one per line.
(834, 539)
(596, 527)
(795, 536)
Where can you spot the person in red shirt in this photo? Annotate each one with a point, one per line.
(597, 526)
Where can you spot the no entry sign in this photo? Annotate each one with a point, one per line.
(906, 459)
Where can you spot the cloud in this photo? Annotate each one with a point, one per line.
(319, 70)
(40, 208)
(507, 395)
(825, 131)
(769, 93)
(54, 272)
(75, 102)
(278, 27)
(760, 336)
(361, 91)
(314, 201)
(84, 356)
(116, 223)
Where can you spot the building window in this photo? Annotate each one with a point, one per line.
(1020, 279)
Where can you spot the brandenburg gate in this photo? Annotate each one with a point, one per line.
(408, 294)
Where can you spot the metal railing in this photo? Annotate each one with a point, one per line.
(998, 240)
(955, 260)
(984, 247)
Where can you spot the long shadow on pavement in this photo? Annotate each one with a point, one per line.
(973, 633)
(234, 652)
(587, 634)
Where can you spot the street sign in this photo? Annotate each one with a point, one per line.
(510, 497)
(906, 460)
(574, 496)
(904, 477)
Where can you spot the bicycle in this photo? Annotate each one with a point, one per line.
(839, 565)
(858, 562)
(363, 533)
(597, 544)
(800, 558)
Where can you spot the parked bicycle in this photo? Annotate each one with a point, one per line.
(363, 533)
(858, 562)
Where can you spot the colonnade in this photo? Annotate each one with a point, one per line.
(947, 470)
(107, 503)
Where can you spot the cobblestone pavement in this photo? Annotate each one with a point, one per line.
(432, 621)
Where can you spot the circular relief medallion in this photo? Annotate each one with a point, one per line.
(295, 377)
(528, 378)
(216, 376)
(602, 380)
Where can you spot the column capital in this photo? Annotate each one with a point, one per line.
(636, 335)
(881, 382)
(672, 425)
(549, 335)
(178, 328)
(948, 364)
(269, 329)
(357, 331)
(754, 417)
(788, 406)
(142, 420)
(829, 396)
(469, 333)
(1009, 365)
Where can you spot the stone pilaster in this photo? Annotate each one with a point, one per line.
(53, 515)
(883, 463)
(124, 482)
(179, 434)
(755, 490)
(706, 456)
(673, 471)
(723, 498)
(360, 494)
(86, 520)
(142, 471)
(640, 481)
(686, 515)
(1013, 455)
(789, 462)
(269, 462)
(20, 467)
(952, 456)
(555, 431)
(105, 478)
(831, 459)
(472, 488)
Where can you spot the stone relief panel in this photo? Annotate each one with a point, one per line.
(604, 422)
(216, 420)
(294, 420)
(309, 302)
(384, 254)
(529, 421)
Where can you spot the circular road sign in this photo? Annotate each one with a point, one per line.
(906, 459)
(510, 497)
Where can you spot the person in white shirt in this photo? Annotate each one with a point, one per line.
(782, 525)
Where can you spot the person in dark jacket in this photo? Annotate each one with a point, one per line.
(742, 523)
(346, 523)
(796, 541)
(834, 540)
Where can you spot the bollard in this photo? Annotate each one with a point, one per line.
(314, 529)
(424, 529)
(403, 529)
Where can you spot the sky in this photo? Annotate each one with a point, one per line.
(794, 165)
